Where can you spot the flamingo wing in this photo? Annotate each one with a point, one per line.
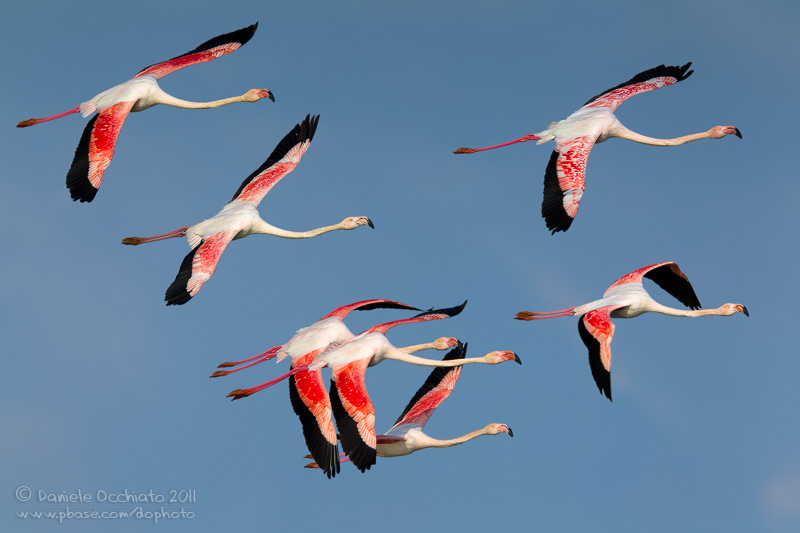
(669, 277)
(354, 412)
(197, 267)
(649, 80)
(95, 151)
(312, 405)
(283, 159)
(367, 305)
(434, 391)
(565, 181)
(597, 329)
(431, 314)
(211, 49)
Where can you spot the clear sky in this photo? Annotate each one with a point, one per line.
(106, 389)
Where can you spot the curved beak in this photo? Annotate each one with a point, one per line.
(272, 97)
(738, 133)
(744, 310)
(510, 433)
(518, 360)
(370, 224)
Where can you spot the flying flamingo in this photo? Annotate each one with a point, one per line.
(627, 298)
(328, 330)
(406, 436)
(352, 407)
(307, 391)
(239, 218)
(96, 147)
(564, 179)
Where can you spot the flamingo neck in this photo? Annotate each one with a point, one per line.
(268, 229)
(664, 310)
(168, 99)
(624, 133)
(400, 355)
(459, 440)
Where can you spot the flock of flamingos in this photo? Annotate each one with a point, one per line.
(328, 342)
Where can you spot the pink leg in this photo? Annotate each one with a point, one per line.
(266, 356)
(530, 137)
(238, 394)
(141, 240)
(32, 121)
(527, 315)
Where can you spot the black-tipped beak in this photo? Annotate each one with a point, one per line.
(738, 133)
(518, 360)
(510, 433)
(272, 97)
(370, 224)
(744, 310)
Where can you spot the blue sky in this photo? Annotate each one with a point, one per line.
(106, 389)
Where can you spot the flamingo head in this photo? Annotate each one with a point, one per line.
(495, 358)
(443, 343)
(354, 222)
(496, 429)
(732, 309)
(254, 95)
(718, 132)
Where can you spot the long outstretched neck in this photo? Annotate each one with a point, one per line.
(168, 99)
(530, 137)
(717, 132)
(718, 311)
(436, 443)
(400, 355)
(32, 121)
(269, 229)
(141, 240)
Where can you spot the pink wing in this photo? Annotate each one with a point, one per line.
(355, 414)
(95, 151)
(312, 405)
(669, 277)
(565, 181)
(433, 314)
(597, 329)
(367, 305)
(211, 49)
(197, 267)
(434, 391)
(283, 160)
(649, 80)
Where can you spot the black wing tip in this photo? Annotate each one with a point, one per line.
(386, 305)
(307, 128)
(449, 311)
(177, 293)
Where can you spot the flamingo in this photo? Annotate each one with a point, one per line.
(307, 392)
(328, 330)
(564, 179)
(352, 407)
(406, 436)
(96, 147)
(627, 298)
(239, 218)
